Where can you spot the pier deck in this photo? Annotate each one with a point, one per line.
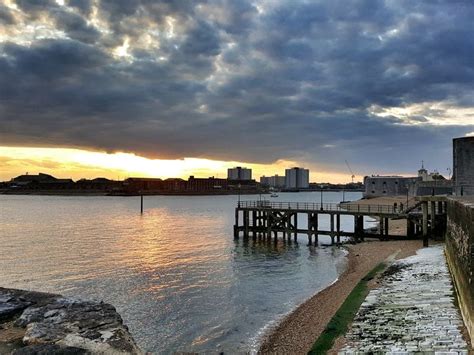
(264, 219)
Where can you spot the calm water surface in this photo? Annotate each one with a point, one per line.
(177, 276)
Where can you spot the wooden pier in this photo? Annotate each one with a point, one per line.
(266, 219)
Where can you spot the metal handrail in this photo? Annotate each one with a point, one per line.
(310, 206)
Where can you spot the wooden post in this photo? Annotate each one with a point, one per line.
(269, 225)
(315, 228)
(381, 232)
(386, 226)
(246, 223)
(356, 228)
(141, 204)
(296, 226)
(236, 225)
(410, 228)
(424, 208)
(361, 227)
(433, 216)
(254, 224)
(310, 226)
(338, 228)
(331, 217)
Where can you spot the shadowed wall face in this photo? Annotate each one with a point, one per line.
(459, 251)
(463, 165)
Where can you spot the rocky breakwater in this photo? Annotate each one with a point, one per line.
(43, 323)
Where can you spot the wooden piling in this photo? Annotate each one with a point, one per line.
(141, 204)
(433, 216)
(424, 208)
(410, 228)
(316, 227)
(268, 225)
(331, 217)
(381, 228)
(295, 225)
(246, 223)
(310, 227)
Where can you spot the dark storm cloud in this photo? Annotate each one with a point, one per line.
(84, 6)
(76, 26)
(240, 80)
(32, 8)
(6, 16)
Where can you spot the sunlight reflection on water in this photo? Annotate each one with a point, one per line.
(175, 273)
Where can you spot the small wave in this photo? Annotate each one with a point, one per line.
(340, 262)
(256, 341)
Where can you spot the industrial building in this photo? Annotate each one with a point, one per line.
(274, 181)
(463, 166)
(296, 178)
(239, 173)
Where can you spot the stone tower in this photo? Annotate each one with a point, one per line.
(463, 165)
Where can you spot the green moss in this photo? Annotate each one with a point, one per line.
(338, 325)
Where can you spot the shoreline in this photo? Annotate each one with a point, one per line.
(146, 193)
(257, 341)
(297, 332)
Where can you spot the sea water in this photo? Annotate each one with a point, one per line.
(175, 274)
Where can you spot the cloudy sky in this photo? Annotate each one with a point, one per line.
(382, 84)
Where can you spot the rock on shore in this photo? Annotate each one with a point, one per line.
(43, 323)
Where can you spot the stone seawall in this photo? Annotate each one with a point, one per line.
(460, 255)
(43, 323)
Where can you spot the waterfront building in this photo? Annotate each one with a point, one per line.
(376, 186)
(463, 166)
(426, 176)
(98, 184)
(135, 185)
(40, 182)
(297, 178)
(274, 181)
(203, 185)
(239, 173)
(430, 184)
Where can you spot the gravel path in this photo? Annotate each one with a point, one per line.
(299, 330)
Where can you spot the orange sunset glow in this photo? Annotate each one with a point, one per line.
(77, 164)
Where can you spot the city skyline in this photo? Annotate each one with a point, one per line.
(78, 164)
(192, 88)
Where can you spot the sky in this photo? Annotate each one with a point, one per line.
(122, 88)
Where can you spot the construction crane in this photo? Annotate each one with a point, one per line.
(349, 167)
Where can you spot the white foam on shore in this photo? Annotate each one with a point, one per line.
(256, 341)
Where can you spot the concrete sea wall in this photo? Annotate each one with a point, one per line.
(460, 255)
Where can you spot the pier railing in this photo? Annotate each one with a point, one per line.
(330, 207)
